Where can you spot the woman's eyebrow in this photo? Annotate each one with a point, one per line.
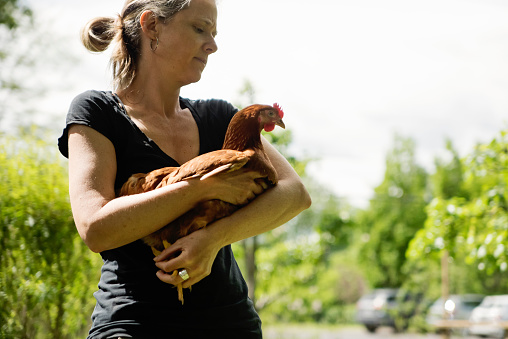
(208, 22)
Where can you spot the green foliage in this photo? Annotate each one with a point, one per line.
(46, 272)
(469, 219)
(447, 181)
(316, 266)
(298, 285)
(12, 15)
(301, 268)
(11, 12)
(425, 275)
(28, 68)
(395, 214)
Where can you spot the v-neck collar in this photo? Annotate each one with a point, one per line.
(183, 104)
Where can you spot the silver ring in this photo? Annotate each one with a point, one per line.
(183, 274)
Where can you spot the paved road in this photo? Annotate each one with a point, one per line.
(345, 333)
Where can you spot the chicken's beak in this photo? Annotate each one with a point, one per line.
(280, 123)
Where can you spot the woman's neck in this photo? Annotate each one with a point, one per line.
(146, 98)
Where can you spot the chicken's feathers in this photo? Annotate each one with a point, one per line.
(208, 164)
(223, 168)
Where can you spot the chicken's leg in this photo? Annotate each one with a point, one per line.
(179, 287)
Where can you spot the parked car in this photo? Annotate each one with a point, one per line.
(484, 318)
(457, 306)
(387, 307)
(373, 309)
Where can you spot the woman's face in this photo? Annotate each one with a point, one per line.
(186, 41)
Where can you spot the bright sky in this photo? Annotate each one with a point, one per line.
(348, 73)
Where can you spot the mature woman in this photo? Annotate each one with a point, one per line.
(160, 46)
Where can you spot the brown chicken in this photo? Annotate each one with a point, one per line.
(242, 148)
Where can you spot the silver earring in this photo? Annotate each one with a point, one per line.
(156, 44)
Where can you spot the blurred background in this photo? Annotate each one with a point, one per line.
(396, 115)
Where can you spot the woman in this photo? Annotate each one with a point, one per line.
(161, 46)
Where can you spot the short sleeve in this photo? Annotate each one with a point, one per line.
(92, 109)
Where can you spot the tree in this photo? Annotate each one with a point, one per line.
(395, 214)
(34, 60)
(11, 12)
(448, 179)
(45, 279)
(472, 224)
(424, 272)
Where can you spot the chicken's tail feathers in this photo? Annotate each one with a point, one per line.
(141, 182)
(133, 185)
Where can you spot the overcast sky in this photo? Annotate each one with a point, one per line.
(348, 73)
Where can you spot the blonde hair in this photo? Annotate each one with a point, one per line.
(124, 31)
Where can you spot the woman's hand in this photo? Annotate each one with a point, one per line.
(195, 252)
(236, 187)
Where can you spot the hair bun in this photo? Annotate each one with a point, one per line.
(98, 33)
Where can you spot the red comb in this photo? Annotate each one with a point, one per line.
(279, 109)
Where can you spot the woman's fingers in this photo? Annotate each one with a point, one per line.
(194, 253)
(175, 279)
(170, 259)
(238, 187)
(172, 251)
(251, 188)
(260, 186)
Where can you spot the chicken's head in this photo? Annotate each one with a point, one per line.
(269, 116)
(246, 125)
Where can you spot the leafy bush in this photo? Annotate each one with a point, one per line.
(473, 225)
(46, 272)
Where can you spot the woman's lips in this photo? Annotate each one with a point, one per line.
(203, 61)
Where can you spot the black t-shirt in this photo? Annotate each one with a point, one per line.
(131, 300)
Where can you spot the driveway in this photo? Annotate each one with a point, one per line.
(353, 332)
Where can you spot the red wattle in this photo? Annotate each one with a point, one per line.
(269, 127)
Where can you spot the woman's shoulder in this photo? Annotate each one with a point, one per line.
(93, 97)
(92, 108)
(93, 105)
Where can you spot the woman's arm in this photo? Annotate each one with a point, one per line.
(106, 222)
(271, 209)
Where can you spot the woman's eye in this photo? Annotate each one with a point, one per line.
(199, 30)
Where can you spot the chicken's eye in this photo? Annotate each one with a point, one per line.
(271, 114)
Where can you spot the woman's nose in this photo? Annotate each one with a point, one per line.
(211, 46)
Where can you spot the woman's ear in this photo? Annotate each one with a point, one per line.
(148, 22)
